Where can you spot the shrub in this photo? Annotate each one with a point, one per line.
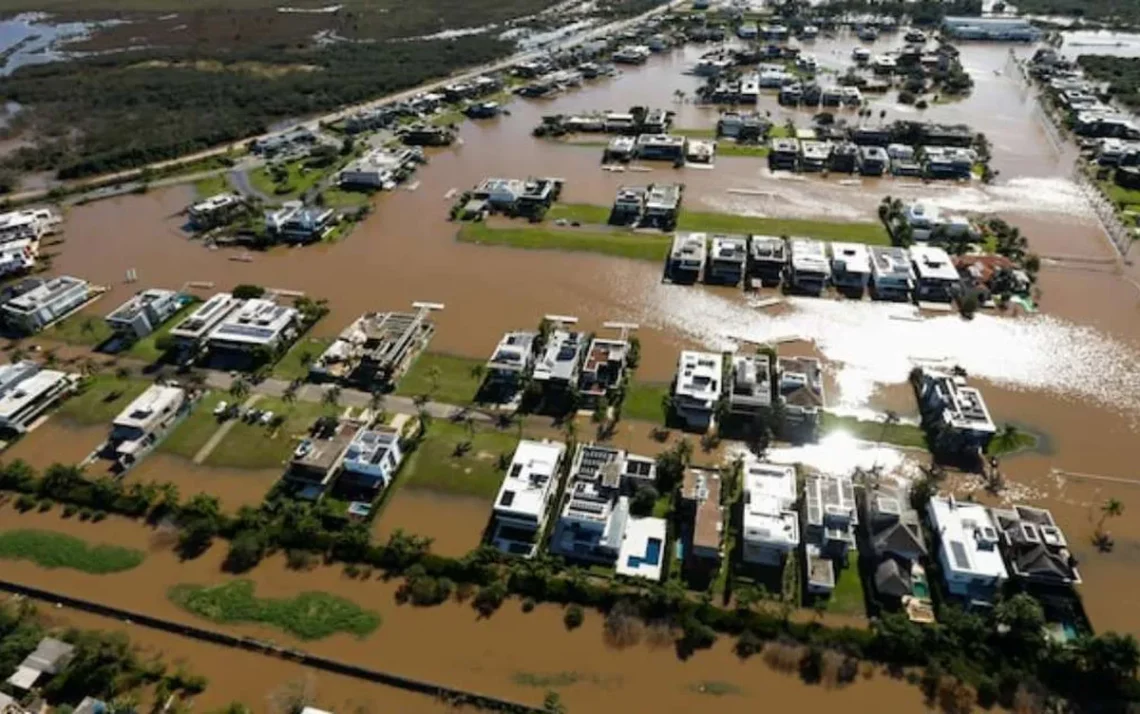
(85, 514)
(490, 598)
(906, 97)
(748, 644)
(44, 505)
(248, 292)
(528, 604)
(25, 503)
(98, 516)
(921, 104)
(69, 510)
(573, 617)
(299, 559)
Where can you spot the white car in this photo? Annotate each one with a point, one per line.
(221, 408)
(266, 418)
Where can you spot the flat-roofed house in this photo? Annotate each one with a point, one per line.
(523, 504)
(375, 350)
(380, 168)
(936, 278)
(771, 526)
(558, 363)
(687, 257)
(603, 367)
(959, 411)
(144, 313)
(808, 267)
(512, 359)
(662, 205)
(700, 501)
(698, 387)
(27, 224)
(968, 551)
(892, 277)
(18, 256)
(372, 458)
(629, 204)
(44, 304)
(801, 392)
(295, 222)
(750, 392)
(726, 260)
(850, 268)
(27, 391)
(830, 517)
(215, 210)
(318, 457)
(140, 426)
(661, 147)
(767, 259)
(256, 323)
(192, 331)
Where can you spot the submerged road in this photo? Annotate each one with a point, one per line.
(573, 41)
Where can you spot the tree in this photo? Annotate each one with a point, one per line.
(573, 617)
(552, 704)
(478, 370)
(240, 388)
(1023, 619)
(643, 501)
(433, 374)
(246, 550)
(247, 292)
(290, 394)
(331, 397)
(376, 401)
(1102, 539)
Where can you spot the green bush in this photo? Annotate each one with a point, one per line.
(573, 617)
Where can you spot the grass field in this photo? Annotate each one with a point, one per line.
(749, 150)
(339, 198)
(308, 616)
(1123, 197)
(1005, 442)
(643, 401)
(906, 435)
(146, 349)
(847, 598)
(80, 329)
(582, 212)
(211, 186)
(196, 429)
(298, 180)
(436, 466)
(623, 244)
(48, 549)
(252, 446)
(295, 363)
(101, 398)
(695, 133)
(452, 374)
(858, 232)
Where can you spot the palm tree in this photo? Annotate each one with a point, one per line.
(240, 388)
(290, 394)
(376, 401)
(51, 358)
(123, 372)
(1112, 508)
(477, 371)
(570, 428)
(331, 397)
(890, 418)
(433, 375)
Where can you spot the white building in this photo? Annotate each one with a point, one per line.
(925, 218)
(512, 358)
(771, 524)
(698, 387)
(809, 269)
(561, 358)
(850, 267)
(524, 499)
(891, 275)
(18, 256)
(46, 303)
(373, 458)
(1015, 29)
(643, 548)
(687, 257)
(750, 391)
(26, 392)
(936, 278)
(193, 329)
(959, 408)
(972, 564)
(603, 367)
(295, 221)
(29, 224)
(215, 210)
(256, 323)
(138, 427)
(144, 313)
(378, 168)
(661, 147)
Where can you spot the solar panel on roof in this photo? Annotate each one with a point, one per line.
(961, 560)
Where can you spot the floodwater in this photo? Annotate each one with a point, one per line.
(512, 654)
(57, 441)
(233, 487)
(454, 523)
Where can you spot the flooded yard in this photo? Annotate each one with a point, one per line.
(454, 523)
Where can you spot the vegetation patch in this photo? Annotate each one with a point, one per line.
(855, 232)
(847, 598)
(48, 549)
(1010, 440)
(80, 329)
(450, 379)
(195, 430)
(211, 186)
(257, 446)
(582, 212)
(309, 615)
(295, 363)
(461, 459)
(101, 398)
(547, 681)
(623, 244)
(906, 435)
(643, 401)
(733, 149)
(148, 348)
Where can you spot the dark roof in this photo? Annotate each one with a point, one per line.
(1039, 562)
(900, 538)
(890, 579)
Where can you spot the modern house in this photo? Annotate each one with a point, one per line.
(629, 205)
(1015, 29)
(948, 162)
(524, 499)
(18, 256)
(140, 426)
(957, 412)
(926, 218)
(255, 324)
(700, 504)
(936, 278)
(1036, 550)
(784, 154)
(216, 210)
(850, 268)
(771, 527)
(662, 205)
(873, 160)
(319, 456)
(511, 361)
(427, 135)
(750, 391)
(372, 459)
(375, 350)
(44, 304)
(830, 517)
(557, 364)
(808, 267)
(295, 222)
(661, 147)
(767, 259)
(49, 658)
(191, 332)
(968, 549)
(603, 368)
(814, 155)
(27, 391)
(620, 148)
(894, 534)
(892, 278)
(726, 260)
(698, 387)
(801, 393)
(687, 257)
(380, 168)
(27, 224)
(631, 54)
(524, 197)
(144, 313)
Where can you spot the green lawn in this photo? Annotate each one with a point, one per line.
(295, 363)
(80, 329)
(252, 446)
(860, 232)
(101, 398)
(447, 117)
(447, 378)
(298, 180)
(339, 198)
(906, 435)
(780, 131)
(624, 244)
(694, 133)
(309, 615)
(1119, 195)
(733, 149)
(1005, 443)
(211, 186)
(643, 401)
(847, 598)
(146, 349)
(196, 429)
(48, 549)
(436, 466)
(582, 212)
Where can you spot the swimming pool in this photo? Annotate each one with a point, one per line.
(652, 555)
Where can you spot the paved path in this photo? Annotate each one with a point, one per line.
(216, 438)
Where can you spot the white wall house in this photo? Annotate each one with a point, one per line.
(27, 391)
(892, 278)
(936, 278)
(27, 224)
(698, 387)
(809, 269)
(139, 426)
(18, 256)
(771, 524)
(195, 327)
(959, 407)
(525, 497)
(373, 458)
(850, 267)
(255, 323)
(972, 564)
(144, 313)
(46, 303)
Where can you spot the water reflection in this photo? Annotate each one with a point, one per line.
(840, 454)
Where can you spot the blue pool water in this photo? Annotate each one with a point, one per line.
(652, 554)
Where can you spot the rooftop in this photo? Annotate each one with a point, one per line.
(149, 407)
(513, 352)
(809, 255)
(969, 540)
(529, 478)
(203, 319)
(702, 486)
(850, 257)
(663, 196)
(933, 263)
(962, 406)
(321, 453)
(751, 380)
(45, 294)
(891, 261)
(699, 377)
(729, 249)
(560, 359)
(138, 303)
(801, 382)
(768, 248)
(770, 498)
(256, 321)
(642, 548)
(689, 247)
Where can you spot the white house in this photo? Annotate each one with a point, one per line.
(144, 313)
(27, 224)
(512, 358)
(295, 221)
(18, 256)
(750, 390)
(698, 386)
(687, 257)
(809, 269)
(215, 210)
(850, 267)
(925, 218)
(972, 564)
(27, 391)
(256, 323)
(193, 329)
(561, 358)
(936, 278)
(46, 303)
(372, 458)
(771, 524)
(524, 499)
(801, 391)
(892, 278)
(960, 409)
(143, 422)
(378, 168)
